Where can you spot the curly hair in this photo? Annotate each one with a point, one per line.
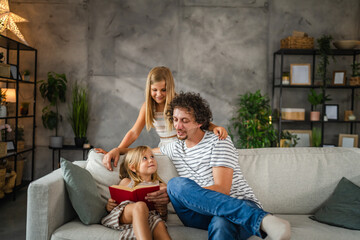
(194, 103)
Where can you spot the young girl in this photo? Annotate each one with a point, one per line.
(134, 218)
(160, 90)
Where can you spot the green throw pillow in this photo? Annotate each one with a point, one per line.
(83, 193)
(342, 209)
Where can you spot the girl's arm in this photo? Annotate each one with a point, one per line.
(219, 131)
(111, 204)
(129, 138)
(135, 131)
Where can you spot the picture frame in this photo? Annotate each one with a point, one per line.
(10, 146)
(14, 72)
(339, 78)
(332, 111)
(348, 140)
(305, 137)
(300, 74)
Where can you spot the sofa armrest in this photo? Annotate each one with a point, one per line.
(48, 206)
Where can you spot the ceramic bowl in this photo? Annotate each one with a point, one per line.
(346, 44)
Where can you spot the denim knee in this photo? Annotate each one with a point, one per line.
(177, 184)
(221, 228)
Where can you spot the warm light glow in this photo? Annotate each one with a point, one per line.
(10, 94)
(8, 20)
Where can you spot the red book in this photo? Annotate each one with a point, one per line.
(138, 193)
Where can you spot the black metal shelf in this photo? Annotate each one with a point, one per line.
(17, 50)
(277, 84)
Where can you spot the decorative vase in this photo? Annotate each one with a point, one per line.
(3, 111)
(79, 141)
(315, 116)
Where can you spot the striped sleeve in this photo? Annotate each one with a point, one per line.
(224, 154)
(168, 149)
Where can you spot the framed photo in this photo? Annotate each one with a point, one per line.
(14, 72)
(300, 74)
(348, 140)
(305, 137)
(332, 111)
(339, 78)
(10, 146)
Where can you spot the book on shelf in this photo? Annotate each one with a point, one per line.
(122, 193)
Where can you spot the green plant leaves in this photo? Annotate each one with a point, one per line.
(79, 111)
(54, 90)
(251, 127)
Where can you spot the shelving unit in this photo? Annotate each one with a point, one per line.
(278, 88)
(21, 57)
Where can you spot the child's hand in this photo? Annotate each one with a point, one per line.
(100, 150)
(220, 132)
(111, 204)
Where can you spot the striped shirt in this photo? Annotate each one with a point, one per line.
(196, 163)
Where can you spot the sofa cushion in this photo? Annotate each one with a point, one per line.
(342, 209)
(102, 176)
(83, 193)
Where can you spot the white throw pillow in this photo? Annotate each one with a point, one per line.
(103, 177)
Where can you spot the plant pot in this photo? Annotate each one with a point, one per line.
(56, 142)
(3, 111)
(26, 77)
(79, 141)
(24, 108)
(315, 116)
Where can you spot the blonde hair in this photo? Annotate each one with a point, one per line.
(134, 158)
(158, 74)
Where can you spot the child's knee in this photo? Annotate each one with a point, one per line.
(141, 207)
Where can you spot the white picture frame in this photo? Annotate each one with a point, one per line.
(15, 72)
(300, 74)
(332, 111)
(339, 78)
(305, 137)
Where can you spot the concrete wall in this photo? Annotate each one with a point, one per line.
(218, 48)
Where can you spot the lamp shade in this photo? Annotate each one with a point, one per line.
(10, 94)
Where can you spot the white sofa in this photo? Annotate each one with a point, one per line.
(290, 182)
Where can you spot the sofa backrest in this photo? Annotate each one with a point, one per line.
(285, 180)
(297, 180)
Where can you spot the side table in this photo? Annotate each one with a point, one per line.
(67, 147)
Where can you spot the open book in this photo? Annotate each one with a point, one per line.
(138, 193)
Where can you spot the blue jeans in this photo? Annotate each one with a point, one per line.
(223, 216)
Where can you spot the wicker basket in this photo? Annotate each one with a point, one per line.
(354, 81)
(297, 42)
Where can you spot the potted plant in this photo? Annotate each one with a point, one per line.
(316, 137)
(79, 114)
(252, 124)
(355, 76)
(54, 90)
(288, 140)
(26, 75)
(324, 51)
(315, 100)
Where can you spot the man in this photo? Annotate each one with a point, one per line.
(211, 192)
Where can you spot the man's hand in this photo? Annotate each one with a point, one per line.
(159, 197)
(114, 154)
